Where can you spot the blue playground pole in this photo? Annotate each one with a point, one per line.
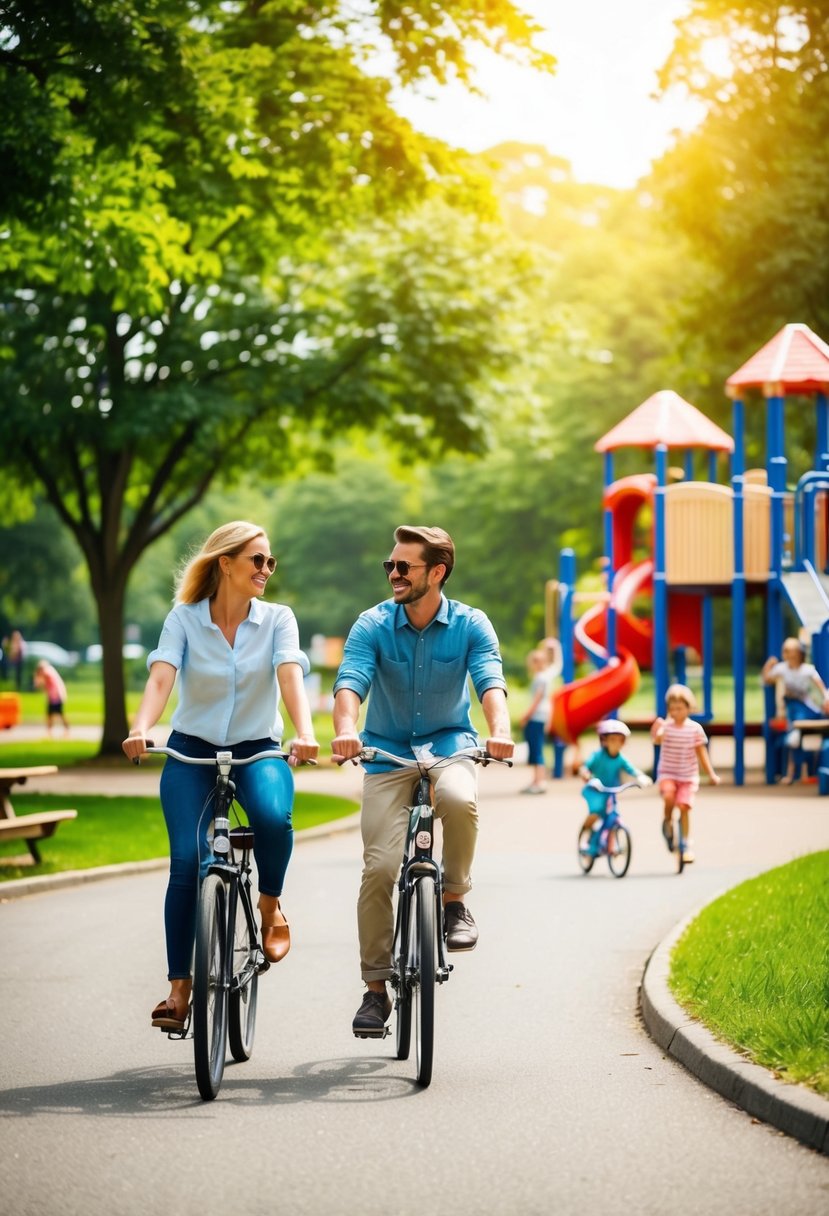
(738, 613)
(610, 559)
(738, 600)
(566, 635)
(660, 586)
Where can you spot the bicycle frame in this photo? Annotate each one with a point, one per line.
(417, 862)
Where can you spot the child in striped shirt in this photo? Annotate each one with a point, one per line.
(682, 751)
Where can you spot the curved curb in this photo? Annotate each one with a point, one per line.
(73, 878)
(793, 1109)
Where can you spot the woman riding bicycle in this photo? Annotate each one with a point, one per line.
(225, 646)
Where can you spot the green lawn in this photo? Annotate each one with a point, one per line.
(754, 968)
(109, 831)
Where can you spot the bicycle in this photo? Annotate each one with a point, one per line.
(228, 958)
(610, 838)
(419, 949)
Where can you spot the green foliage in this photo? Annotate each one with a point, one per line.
(753, 967)
(177, 306)
(747, 189)
(42, 582)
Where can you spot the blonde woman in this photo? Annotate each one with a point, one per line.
(234, 655)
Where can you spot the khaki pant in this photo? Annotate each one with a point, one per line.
(383, 823)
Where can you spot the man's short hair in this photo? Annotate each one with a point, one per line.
(438, 546)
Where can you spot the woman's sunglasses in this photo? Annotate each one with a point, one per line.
(403, 567)
(259, 560)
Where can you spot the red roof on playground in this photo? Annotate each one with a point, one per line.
(666, 418)
(796, 359)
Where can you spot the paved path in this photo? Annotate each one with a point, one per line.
(548, 1096)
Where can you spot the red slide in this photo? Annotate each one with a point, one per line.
(584, 702)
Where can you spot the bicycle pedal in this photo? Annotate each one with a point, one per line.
(262, 964)
(373, 1034)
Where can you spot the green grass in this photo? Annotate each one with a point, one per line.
(754, 968)
(109, 831)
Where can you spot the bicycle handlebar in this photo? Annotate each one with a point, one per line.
(478, 754)
(223, 756)
(595, 784)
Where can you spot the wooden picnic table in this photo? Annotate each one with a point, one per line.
(30, 828)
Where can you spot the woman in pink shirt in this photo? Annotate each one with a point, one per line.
(682, 750)
(49, 679)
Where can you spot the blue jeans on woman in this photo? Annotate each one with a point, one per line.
(265, 790)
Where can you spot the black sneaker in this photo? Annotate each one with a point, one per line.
(459, 928)
(370, 1019)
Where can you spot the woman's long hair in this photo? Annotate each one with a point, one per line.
(199, 578)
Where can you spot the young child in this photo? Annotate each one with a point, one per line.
(801, 691)
(607, 764)
(534, 721)
(682, 752)
(48, 678)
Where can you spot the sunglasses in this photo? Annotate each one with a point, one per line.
(403, 567)
(259, 560)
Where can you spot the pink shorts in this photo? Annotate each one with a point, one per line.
(682, 792)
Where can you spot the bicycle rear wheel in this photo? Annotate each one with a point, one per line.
(423, 960)
(586, 859)
(244, 988)
(680, 846)
(618, 850)
(210, 986)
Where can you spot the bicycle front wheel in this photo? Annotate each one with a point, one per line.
(618, 851)
(423, 960)
(210, 986)
(403, 991)
(244, 987)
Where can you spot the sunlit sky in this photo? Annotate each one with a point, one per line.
(598, 111)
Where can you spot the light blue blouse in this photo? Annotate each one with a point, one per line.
(229, 694)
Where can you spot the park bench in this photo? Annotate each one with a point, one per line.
(31, 828)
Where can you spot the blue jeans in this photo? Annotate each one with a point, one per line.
(264, 789)
(534, 735)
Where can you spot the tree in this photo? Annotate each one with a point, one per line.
(179, 176)
(747, 189)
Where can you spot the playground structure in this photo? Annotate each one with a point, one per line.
(752, 536)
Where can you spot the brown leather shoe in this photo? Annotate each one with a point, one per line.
(276, 938)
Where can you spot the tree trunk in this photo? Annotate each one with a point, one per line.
(110, 601)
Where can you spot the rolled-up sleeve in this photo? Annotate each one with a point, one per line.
(286, 647)
(359, 660)
(171, 645)
(484, 662)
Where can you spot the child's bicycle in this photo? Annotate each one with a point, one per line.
(609, 838)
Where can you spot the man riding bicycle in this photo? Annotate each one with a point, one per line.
(414, 654)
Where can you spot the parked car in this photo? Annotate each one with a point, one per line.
(130, 650)
(52, 653)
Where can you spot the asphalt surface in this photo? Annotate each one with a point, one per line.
(549, 1093)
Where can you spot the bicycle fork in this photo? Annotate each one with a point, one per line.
(418, 863)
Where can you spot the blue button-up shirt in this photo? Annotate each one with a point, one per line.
(229, 694)
(418, 678)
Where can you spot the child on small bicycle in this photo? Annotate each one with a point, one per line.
(606, 764)
(682, 751)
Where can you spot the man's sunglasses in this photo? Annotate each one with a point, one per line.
(259, 560)
(403, 567)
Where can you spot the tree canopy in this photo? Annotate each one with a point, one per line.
(182, 180)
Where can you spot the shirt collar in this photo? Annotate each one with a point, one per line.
(441, 615)
(256, 614)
